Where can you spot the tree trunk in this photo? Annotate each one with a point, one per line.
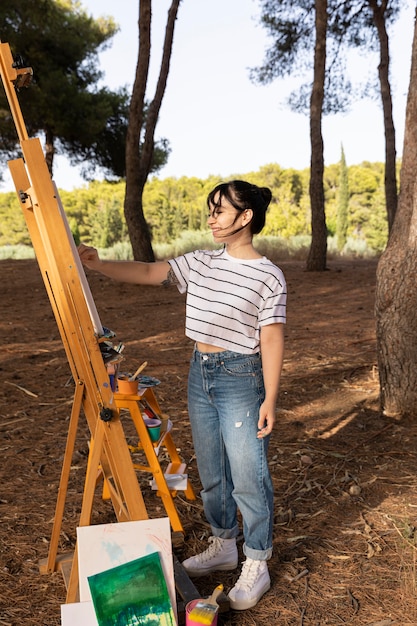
(49, 150)
(316, 260)
(138, 154)
(391, 194)
(396, 289)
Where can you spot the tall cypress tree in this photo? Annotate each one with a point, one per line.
(342, 204)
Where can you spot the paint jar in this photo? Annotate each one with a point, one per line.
(191, 622)
(127, 386)
(112, 371)
(164, 422)
(154, 428)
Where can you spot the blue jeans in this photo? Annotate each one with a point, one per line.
(225, 391)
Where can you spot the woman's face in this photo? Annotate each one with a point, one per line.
(224, 220)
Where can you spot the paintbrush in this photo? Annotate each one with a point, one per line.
(205, 610)
(138, 371)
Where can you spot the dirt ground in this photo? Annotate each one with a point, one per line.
(344, 474)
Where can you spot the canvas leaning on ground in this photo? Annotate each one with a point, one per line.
(132, 594)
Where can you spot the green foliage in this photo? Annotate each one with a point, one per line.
(367, 213)
(60, 41)
(176, 210)
(95, 213)
(13, 230)
(288, 214)
(73, 224)
(174, 205)
(290, 27)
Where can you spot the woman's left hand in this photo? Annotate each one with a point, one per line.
(266, 420)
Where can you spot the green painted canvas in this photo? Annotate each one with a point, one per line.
(132, 594)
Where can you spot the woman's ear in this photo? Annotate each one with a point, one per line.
(247, 216)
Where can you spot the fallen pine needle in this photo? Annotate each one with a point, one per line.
(9, 423)
(401, 535)
(353, 601)
(305, 572)
(29, 393)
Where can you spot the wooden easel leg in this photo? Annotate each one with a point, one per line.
(73, 584)
(63, 484)
(91, 474)
(87, 505)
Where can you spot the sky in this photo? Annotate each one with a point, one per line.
(216, 120)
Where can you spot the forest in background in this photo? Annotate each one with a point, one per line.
(173, 206)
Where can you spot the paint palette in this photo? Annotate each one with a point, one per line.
(148, 381)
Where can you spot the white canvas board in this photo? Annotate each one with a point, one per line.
(78, 614)
(105, 546)
(94, 316)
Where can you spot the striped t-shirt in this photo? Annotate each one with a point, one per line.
(229, 299)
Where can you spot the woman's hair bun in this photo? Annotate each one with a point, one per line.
(267, 195)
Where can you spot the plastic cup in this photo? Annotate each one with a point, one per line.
(154, 428)
(190, 622)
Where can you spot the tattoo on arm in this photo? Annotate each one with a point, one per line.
(171, 279)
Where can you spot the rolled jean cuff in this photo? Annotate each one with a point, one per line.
(225, 533)
(257, 555)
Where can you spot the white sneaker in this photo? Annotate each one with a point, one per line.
(220, 555)
(253, 582)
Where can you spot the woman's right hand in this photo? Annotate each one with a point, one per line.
(88, 255)
(136, 272)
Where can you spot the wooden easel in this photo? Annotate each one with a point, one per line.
(110, 458)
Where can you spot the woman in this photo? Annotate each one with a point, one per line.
(235, 314)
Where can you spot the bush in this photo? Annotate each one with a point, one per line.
(278, 248)
(275, 248)
(121, 251)
(17, 252)
(188, 241)
(353, 248)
